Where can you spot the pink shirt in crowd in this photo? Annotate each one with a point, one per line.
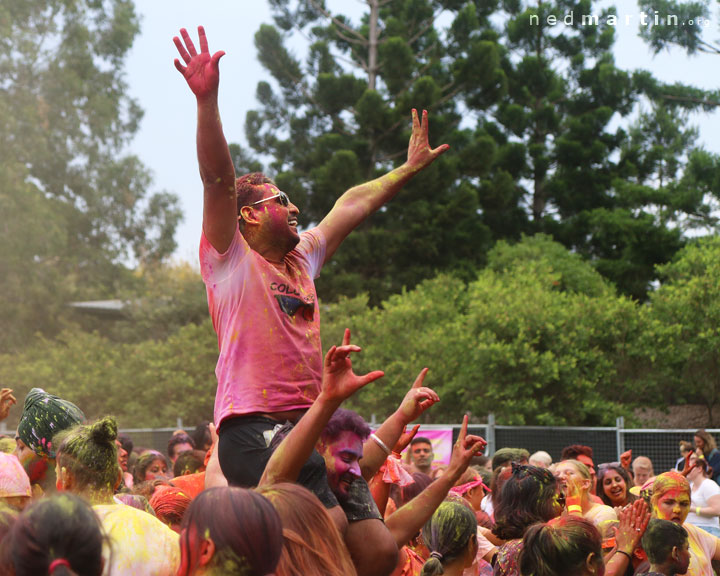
(268, 326)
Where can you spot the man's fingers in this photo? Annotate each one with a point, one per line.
(216, 57)
(181, 49)
(188, 42)
(420, 378)
(371, 377)
(414, 431)
(346, 349)
(463, 430)
(346, 337)
(415, 120)
(203, 39)
(440, 150)
(330, 356)
(180, 67)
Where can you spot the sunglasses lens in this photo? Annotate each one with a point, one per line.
(284, 200)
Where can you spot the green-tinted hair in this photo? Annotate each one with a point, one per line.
(89, 453)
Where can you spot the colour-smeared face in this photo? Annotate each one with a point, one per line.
(157, 470)
(697, 471)
(615, 488)
(35, 466)
(566, 472)
(280, 221)
(475, 497)
(342, 460)
(674, 505)
(422, 454)
(122, 456)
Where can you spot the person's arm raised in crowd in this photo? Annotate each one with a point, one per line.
(632, 522)
(201, 72)
(357, 203)
(6, 401)
(409, 519)
(339, 383)
(418, 399)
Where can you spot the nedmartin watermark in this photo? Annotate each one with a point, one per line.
(641, 18)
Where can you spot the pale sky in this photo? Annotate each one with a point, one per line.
(166, 140)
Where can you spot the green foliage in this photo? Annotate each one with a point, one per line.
(537, 338)
(683, 326)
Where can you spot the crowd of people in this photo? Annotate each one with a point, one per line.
(286, 482)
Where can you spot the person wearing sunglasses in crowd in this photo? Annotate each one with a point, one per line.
(259, 273)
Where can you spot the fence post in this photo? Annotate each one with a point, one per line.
(490, 435)
(179, 423)
(619, 437)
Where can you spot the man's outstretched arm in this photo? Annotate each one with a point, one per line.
(201, 72)
(355, 205)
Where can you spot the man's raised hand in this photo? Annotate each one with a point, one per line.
(339, 380)
(200, 71)
(418, 399)
(420, 155)
(467, 446)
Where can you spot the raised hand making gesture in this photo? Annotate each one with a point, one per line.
(420, 155)
(201, 71)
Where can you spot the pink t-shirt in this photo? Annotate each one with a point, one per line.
(268, 326)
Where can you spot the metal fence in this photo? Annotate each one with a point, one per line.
(660, 445)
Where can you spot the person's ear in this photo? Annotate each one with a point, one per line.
(674, 553)
(248, 215)
(591, 563)
(207, 551)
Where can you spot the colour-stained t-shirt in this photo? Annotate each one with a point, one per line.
(268, 325)
(139, 544)
(702, 550)
(506, 563)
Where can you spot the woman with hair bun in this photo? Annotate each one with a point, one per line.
(87, 464)
(58, 536)
(451, 537)
(230, 532)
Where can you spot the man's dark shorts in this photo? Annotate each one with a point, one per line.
(245, 446)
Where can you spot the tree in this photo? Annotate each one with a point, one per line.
(341, 116)
(683, 326)
(538, 338)
(75, 206)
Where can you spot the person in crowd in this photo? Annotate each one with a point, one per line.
(401, 495)
(705, 442)
(189, 462)
(583, 454)
(528, 495)
(685, 448)
(563, 546)
(667, 548)
(705, 496)
(230, 531)
(451, 537)
(170, 504)
(311, 541)
(671, 500)
(15, 489)
(472, 488)
(505, 456)
(179, 442)
(541, 459)
(642, 469)
(43, 417)
(421, 455)
(58, 536)
(202, 437)
(576, 481)
(614, 483)
(259, 273)
(151, 465)
(482, 461)
(138, 543)
(255, 263)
